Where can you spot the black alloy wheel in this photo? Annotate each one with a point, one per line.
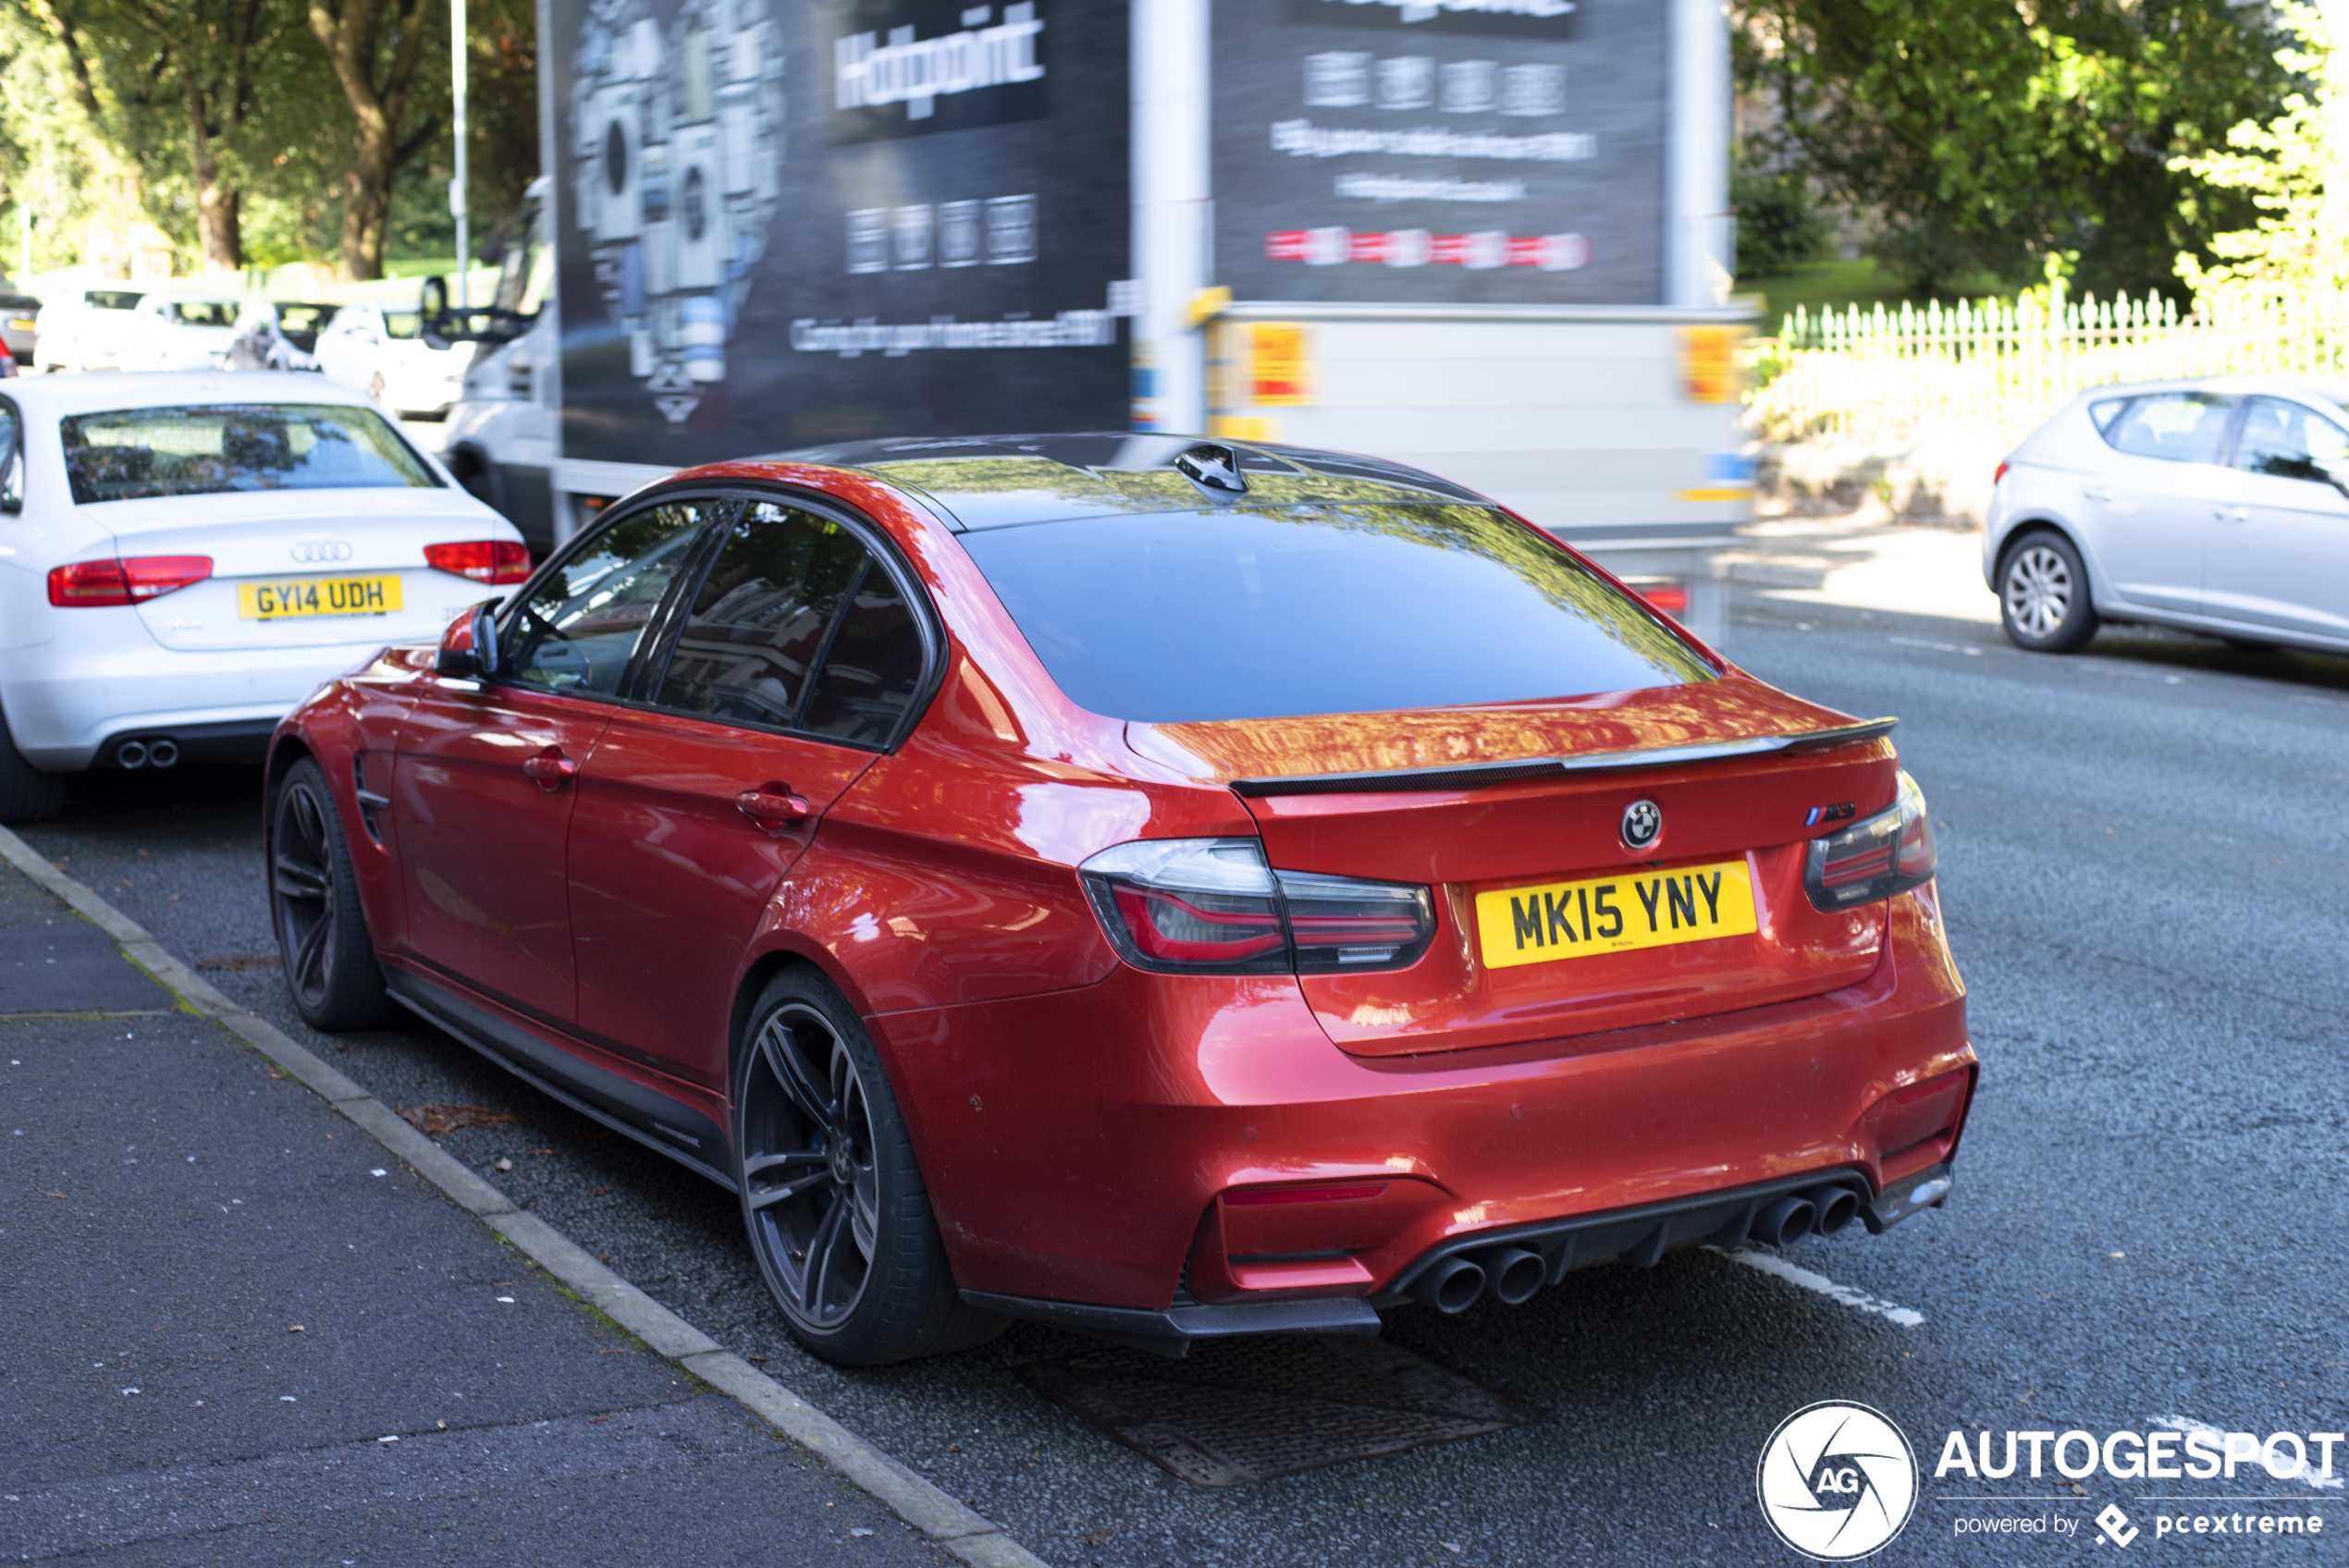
(313, 904)
(2043, 594)
(830, 1193)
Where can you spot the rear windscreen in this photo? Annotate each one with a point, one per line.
(139, 454)
(1192, 617)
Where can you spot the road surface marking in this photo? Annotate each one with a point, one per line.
(1779, 1268)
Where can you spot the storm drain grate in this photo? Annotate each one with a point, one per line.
(1243, 1410)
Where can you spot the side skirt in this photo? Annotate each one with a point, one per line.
(653, 1119)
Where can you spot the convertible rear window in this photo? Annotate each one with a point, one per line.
(139, 454)
(1190, 617)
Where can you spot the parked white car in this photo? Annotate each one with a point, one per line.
(181, 332)
(2219, 506)
(86, 328)
(381, 352)
(183, 557)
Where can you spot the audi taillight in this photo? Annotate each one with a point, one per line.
(1890, 852)
(484, 560)
(1211, 906)
(134, 580)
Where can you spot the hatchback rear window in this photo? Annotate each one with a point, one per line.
(1190, 617)
(140, 454)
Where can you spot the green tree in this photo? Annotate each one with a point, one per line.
(2294, 173)
(1986, 136)
(380, 53)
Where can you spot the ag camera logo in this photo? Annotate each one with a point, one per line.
(1837, 1481)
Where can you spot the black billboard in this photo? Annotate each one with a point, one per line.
(787, 222)
(1461, 152)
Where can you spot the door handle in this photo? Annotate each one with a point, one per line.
(2098, 493)
(2233, 514)
(550, 770)
(774, 806)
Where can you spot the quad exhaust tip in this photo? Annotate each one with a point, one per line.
(131, 753)
(1452, 1285)
(1515, 1274)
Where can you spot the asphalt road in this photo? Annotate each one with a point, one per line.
(2144, 852)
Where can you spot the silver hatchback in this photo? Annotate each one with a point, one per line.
(2219, 505)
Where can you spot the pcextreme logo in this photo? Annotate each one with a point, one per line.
(1838, 1481)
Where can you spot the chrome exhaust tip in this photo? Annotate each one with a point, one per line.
(1452, 1285)
(162, 752)
(1515, 1273)
(131, 753)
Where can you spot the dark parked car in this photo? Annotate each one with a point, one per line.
(17, 314)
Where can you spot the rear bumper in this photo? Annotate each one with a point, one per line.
(72, 701)
(1083, 1147)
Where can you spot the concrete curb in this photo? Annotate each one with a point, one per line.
(955, 1528)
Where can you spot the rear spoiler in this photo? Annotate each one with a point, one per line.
(1485, 775)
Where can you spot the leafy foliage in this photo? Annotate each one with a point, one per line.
(1780, 225)
(226, 126)
(2294, 172)
(1988, 136)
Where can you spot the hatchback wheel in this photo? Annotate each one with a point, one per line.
(830, 1192)
(2043, 596)
(313, 905)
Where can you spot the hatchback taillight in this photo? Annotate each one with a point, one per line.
(1890, 852)
(1211, 906)
(484, 560)
(134, 580)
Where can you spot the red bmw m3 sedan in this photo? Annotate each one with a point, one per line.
(1160, 887)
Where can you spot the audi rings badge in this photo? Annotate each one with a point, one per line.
(322, 552)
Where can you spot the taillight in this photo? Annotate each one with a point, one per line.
(1211, 906)
(1890, 852)
(484, 560)
(1998, 476)
(130, 581)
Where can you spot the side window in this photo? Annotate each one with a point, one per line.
(2289, 442)
(578, 632)
(759, 620)
(2179, 427)
(873, 667)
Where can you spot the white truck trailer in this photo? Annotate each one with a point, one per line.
(1487, 236)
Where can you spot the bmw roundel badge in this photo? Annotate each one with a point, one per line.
(1642, 822)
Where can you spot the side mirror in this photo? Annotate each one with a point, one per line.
(469, 645)
(432, 312)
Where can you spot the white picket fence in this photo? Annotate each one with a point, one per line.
(1996, 369)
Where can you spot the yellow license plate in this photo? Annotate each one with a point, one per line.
(20, 327)
(1614, 913)
(318, 596)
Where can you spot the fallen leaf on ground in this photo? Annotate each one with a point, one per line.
(503, 1165)
(438, 1121)
(296, 1328)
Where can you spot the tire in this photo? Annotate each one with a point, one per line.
(2043, 594)
(830, 1193)
(314, 907)
(27, 794)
